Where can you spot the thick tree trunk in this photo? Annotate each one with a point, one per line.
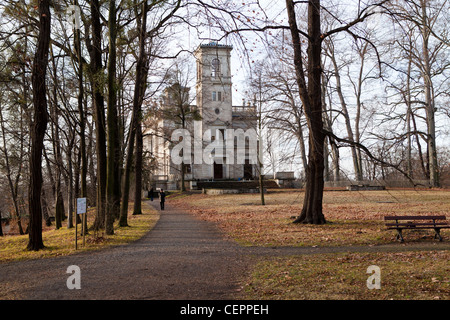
(135, 129)
(99, 114)
(39, 127)
(112, 124)
(310, 94)
(312, 203)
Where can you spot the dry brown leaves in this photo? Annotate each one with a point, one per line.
(354, 217)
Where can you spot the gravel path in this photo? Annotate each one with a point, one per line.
(182, 258)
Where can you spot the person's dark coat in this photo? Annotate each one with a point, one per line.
(162, 198)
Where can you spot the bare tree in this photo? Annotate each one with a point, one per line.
(39, 126)
(260, 94)
(139, 91)
(330, 51)
(286, 113)
(420, 19)
(177, 105)
(308, 73)
(12, 163)
(310, 90)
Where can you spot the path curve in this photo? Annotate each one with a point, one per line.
(180, 258)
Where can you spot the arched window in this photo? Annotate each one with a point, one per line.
(215, 67)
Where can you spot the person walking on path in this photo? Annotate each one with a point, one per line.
(151, 194)
(162, 198)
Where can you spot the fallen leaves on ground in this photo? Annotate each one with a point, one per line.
(354, 218)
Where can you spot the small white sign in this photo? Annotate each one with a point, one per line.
(81, 205)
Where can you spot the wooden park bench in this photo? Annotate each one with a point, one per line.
(415, 223)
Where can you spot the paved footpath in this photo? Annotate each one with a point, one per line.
(182, 257)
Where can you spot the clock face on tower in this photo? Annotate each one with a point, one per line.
(214, 82)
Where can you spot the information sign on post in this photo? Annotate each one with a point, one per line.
(81, 209)
(81, 205)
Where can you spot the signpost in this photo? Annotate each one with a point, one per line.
(81, 209)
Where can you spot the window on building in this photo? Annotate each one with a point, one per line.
(217, 96)
(215, 67)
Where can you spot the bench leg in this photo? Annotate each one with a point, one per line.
(399, 235)
(438, 234)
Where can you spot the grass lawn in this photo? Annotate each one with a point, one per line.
(343, 276)
(62, 241)
(354, 217)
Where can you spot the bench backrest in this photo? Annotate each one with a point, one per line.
(415, 218)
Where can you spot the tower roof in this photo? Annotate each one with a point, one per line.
(214, 44)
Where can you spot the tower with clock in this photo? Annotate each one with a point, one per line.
(213, 87)
(214, 105)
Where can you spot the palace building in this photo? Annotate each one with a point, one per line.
(213, 116)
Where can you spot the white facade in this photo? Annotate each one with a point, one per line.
(214, 104)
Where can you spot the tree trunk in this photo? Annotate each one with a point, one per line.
(326, 175)
(12, 186)
(135, 129)
(351, 136)
(331, 142)
(77, 42)
(69, 183)
(417, 13)
(363, 54)
(1, 227)
(261, 186)
(260, 146)
(59, 208)
(47, 220)
(138, 165)
(99, 113)
(39, 126)
(310, 94)
(407, 97)
(112, 124)
(429, 99)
